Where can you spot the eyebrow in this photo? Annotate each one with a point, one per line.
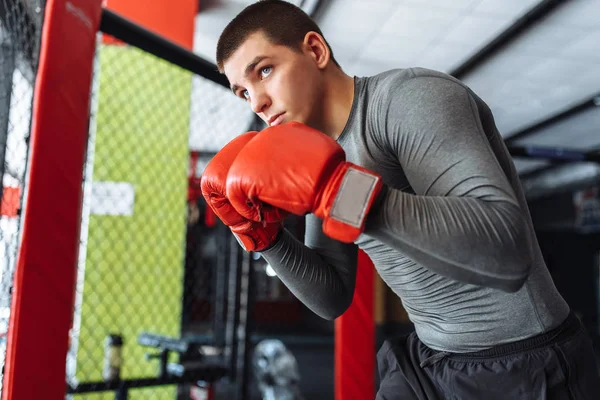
(249, 68)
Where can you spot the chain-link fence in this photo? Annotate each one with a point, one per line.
(165, 297)
(20, 27)
(151, 289)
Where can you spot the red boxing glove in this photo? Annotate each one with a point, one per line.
(296, 168)
(253, 236)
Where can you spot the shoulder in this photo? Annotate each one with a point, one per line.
(411, 85)
(400, 100)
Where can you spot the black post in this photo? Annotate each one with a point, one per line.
(244, 330)
(122, 393)
(220, 284)
(232, 306)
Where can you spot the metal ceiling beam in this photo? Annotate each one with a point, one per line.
(595, 150)
(568, 170)
(553, 154)
(532, 173)
(561, 179)
(520, 26)
(571, 111)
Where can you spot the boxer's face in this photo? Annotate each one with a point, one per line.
(280, 84)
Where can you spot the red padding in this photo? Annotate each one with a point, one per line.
(355, 339)
(44, 283)
(10, 201)
(172, 19)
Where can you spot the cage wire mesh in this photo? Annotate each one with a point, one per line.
(275, 309)
(20, 32)
(148, 250)
(217, 116)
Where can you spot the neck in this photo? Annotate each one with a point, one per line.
(338, 96)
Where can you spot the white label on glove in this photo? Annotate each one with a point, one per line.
(353, 197)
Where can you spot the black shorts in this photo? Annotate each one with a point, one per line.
(559, 364)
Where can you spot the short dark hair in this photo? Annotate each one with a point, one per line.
(283, 23)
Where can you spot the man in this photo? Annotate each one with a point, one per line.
(408, 166)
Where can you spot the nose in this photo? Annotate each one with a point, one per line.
(259, 101)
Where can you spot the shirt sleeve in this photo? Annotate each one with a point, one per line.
(463, 220)
(321, 273)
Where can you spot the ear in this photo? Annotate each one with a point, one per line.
(316, 47)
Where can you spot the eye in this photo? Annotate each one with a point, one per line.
(245, 94)
(266, 71)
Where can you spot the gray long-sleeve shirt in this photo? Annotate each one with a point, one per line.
(451, 236)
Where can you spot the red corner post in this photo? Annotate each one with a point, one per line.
(355, 339)
(45, 275)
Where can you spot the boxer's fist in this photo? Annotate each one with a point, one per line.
(252, 235)
(295, 168)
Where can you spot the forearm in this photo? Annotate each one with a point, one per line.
(464, 238)
(320, 281)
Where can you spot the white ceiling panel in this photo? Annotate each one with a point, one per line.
(388, 50)
(513, 119)
(578, 14)
(449, 32)
(553, 70)
(362, 18)
(588, 82)
(478, 27)
(365, 67)
(547, 69)
(395, 36)
(441, 56)
(416, 20)
(460, 5)
(585, 47)
(501, 69)
(524, 107)
(579, 132)
(554, 80)
(209, 24)
(506, 8)
(474, 30)
(549, 40)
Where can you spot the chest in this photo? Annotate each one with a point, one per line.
(362, 149)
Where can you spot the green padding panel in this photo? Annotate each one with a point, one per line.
(134, 264)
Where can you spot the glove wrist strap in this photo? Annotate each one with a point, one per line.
(356, 191)
(259, 238)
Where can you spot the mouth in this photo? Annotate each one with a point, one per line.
(276, 119)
